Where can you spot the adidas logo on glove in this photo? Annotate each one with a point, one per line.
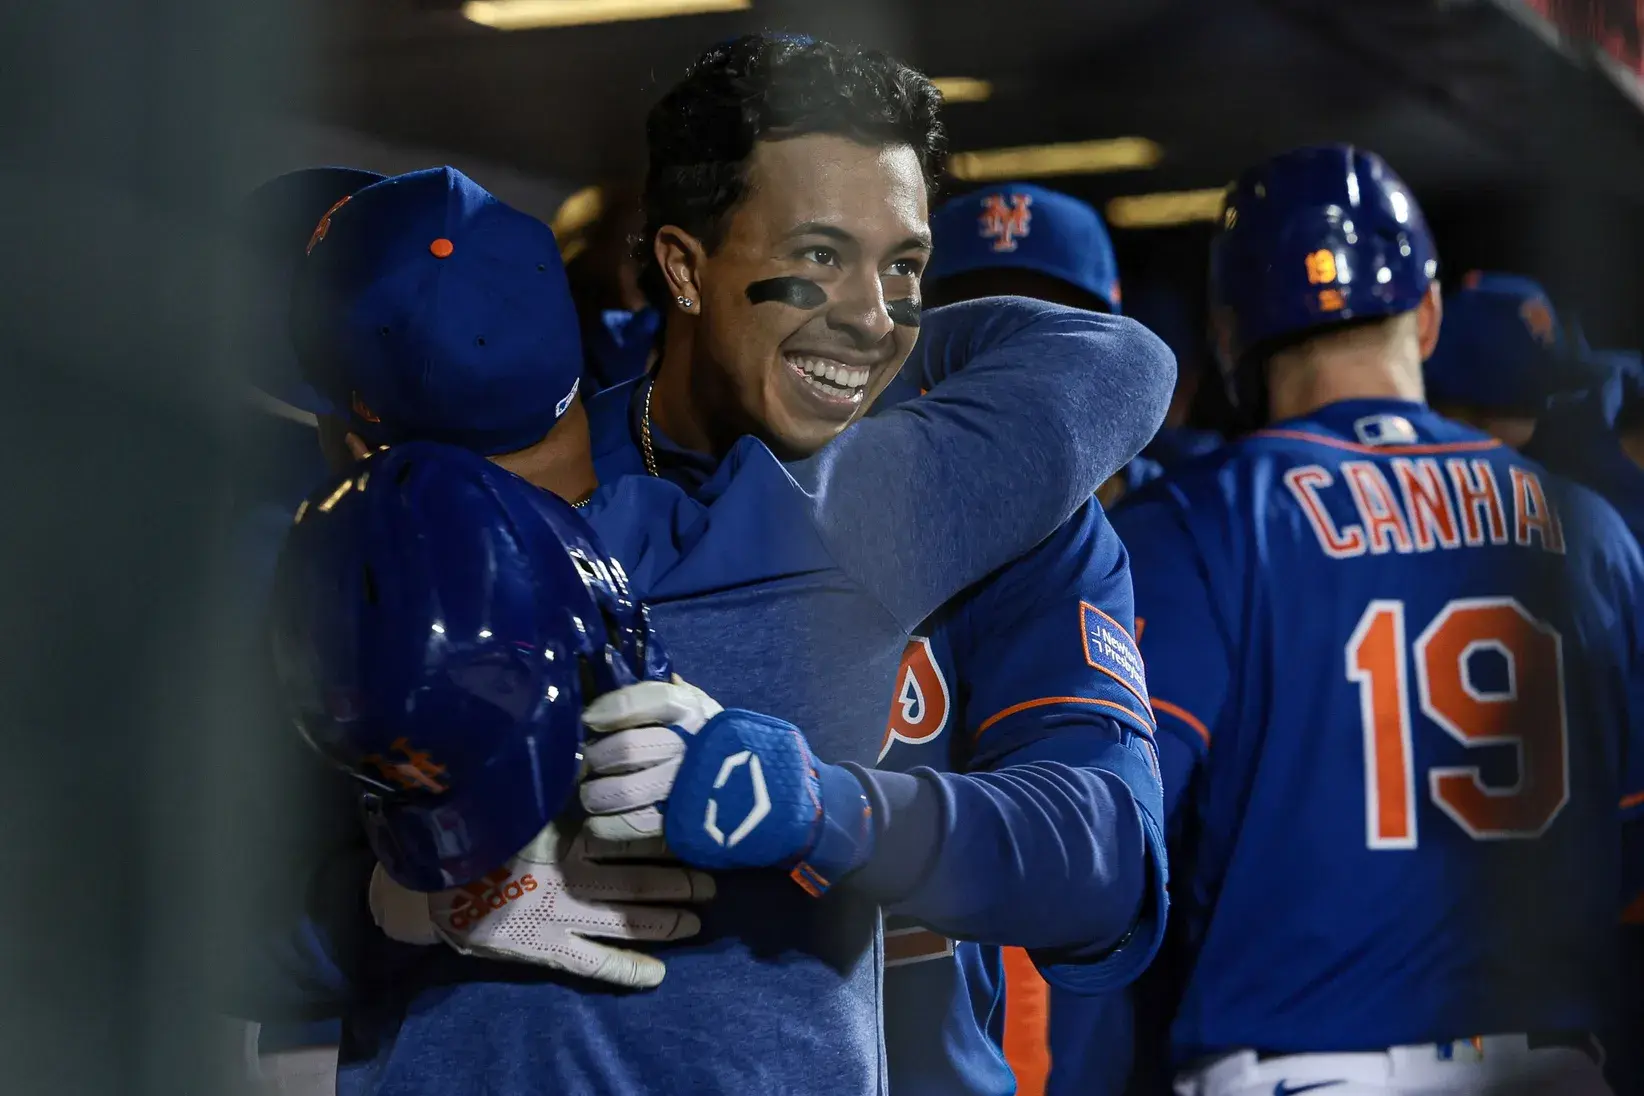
(492, 893)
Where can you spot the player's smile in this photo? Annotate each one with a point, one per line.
(830, 383)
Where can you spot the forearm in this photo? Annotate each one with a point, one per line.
(1035, 855)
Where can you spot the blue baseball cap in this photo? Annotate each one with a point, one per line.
(1500, 347)
(1026, 227)
(275, 222)
(426, 309)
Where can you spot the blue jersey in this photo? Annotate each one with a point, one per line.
(790, 589)
(1403, 653)
(618, 348)
(1175, 445)
(1575, 439)
(1035, 662)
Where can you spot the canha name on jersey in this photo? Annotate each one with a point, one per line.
(1420, 504)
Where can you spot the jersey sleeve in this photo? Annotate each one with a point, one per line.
(1052, 673)
(1030, 407)
(1182, 640)
(1052, 840)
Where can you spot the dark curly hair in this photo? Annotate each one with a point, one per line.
(767, 87)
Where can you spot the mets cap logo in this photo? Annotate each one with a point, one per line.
(1004, 221)
(324, 227)
(1538, 317)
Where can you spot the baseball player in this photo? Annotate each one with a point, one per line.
(1390, 660)
(961, 1016)
(1597, 437)
(1501, 355)
(778, 588)
(1010, 667)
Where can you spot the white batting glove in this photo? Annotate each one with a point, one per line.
(634, 751)
(552, 904)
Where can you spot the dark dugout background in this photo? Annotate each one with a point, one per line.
(123, 695)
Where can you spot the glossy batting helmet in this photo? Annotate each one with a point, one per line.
(439, 625)
(1310, 239)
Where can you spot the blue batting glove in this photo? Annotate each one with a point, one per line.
(750, 794)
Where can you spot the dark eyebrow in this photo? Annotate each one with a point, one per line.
(812, 228)
(831, 232)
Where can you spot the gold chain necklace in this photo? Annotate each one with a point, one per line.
(645, 433)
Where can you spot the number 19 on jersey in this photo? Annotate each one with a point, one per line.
(1528, 714)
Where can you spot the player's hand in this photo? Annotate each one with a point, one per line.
(634, 750)
(553, 904)
(736, 789)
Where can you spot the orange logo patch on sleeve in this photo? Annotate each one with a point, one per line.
(919, 708)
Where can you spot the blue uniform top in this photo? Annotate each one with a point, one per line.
(618, 348)
(1403, 653)
(1034, 665)
(791, 590)
(1574, 438)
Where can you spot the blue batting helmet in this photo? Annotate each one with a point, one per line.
(1311, 238)
(439, 625)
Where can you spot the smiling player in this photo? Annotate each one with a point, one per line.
(782, 588)
(786, 209)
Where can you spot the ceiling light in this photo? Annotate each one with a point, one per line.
(1074, 158)
(529, 14)
(1166, 208)
(963, 89)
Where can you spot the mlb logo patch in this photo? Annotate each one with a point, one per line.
(1385, 430)
(1006, 220)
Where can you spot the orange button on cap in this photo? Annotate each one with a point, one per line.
(442, 248)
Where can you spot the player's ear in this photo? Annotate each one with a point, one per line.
(1429, 317)
(680, 255)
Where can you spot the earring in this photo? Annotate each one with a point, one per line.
(685, 302)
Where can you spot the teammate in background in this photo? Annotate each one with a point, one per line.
(618, 329)
(1163, 309)
(1596, 437)
(1021, 240)
(279, 463)
(1389, 668)
(953, 1007)
(771, 560)
(1501, 357)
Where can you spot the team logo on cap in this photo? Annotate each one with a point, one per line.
(324, 226)
(1539, 319)
(1004, 221)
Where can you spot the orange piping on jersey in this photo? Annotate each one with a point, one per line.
(1383, 450)
(1129, 688)
(1184, 715)
(1027, 1023)
(1634, 913)
(1044, 700)
(1628, 802)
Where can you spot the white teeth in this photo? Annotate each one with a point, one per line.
(832, 373)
